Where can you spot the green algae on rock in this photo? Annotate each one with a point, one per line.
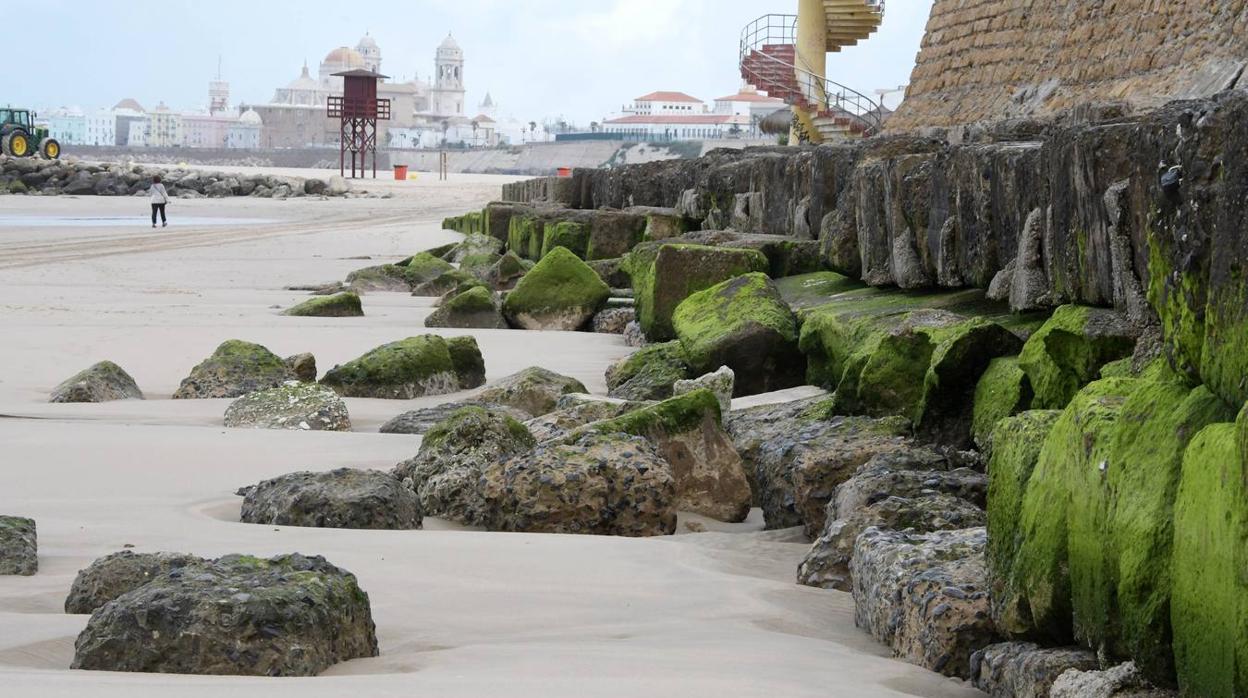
(665, 276)
(687, 432)
(570, 235)
(467, 361)
(743, 324)
(1153, 432)
(401, 370)
(923, 365)
(235, 369)
(297, 617)
(1209, 594)
(102, 382)
(1002, 391)
(1061, 535)
(446, 473)
(560, 293)
(1017, 442)
(600, 484)
(474, 308)
(534, 390)
(811, 290)
(649, 373)
(473, 245)
(345, 304)
(340, 498)
(1068, 351)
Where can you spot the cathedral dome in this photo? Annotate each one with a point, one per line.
(130, 104)
(366, 42)
(449, 44)
(303, 82)
(250, 117)
(343, 56)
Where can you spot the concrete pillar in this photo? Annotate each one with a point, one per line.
(812, 49)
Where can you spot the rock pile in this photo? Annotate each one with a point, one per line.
(72, 177)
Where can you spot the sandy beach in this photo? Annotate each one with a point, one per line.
(458, 612)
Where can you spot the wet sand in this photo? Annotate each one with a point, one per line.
(459, 613)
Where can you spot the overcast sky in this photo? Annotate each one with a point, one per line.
(580, 59)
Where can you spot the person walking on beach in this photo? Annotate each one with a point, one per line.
(160, 197)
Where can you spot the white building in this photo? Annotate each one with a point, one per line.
(68, 125)
(671, 116)
(245, 133)
(750, 107)
(100, 128)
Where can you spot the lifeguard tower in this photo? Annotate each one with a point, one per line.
(358, 111)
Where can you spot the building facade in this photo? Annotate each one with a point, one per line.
(164, 128)
(422, 115)
(671, 116)
(67, 125)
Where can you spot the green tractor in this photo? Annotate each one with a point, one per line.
(19, 135)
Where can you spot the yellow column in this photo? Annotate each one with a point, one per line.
(812, 50)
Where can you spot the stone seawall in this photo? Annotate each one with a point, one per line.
(1039, 214)
(996, 59)
(1048, 318)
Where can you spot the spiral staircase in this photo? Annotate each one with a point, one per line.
(785, 56)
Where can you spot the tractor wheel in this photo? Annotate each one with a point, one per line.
(50, 149)
(17, 144)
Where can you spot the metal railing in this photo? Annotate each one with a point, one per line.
(831, 98)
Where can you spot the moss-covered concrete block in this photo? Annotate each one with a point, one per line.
(1061, 535)
(1209, 590)
(676, 272)
(385, 277)
(1003, 390)
(410, 368)
(613, 233)
(474, 308)
(1068, 351)
(1153, 432)
(524, 236)
(743, 324)
(467, 361)
(687, 431)
(923, 365)
(560, 293)
(346, 304)
(811, 290)
(567, 234)
(1018, 441)
(649, 373)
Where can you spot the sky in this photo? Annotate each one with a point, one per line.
(576, 59)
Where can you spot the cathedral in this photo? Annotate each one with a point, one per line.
(295, 115)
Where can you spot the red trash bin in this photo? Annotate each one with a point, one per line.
(400, 172)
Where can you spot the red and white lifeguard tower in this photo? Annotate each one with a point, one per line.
(358, 110)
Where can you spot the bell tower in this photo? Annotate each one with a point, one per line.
(448, 88)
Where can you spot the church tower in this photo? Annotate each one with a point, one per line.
(448, 87)
(370, 52)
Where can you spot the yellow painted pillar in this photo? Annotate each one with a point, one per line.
(812, 51)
